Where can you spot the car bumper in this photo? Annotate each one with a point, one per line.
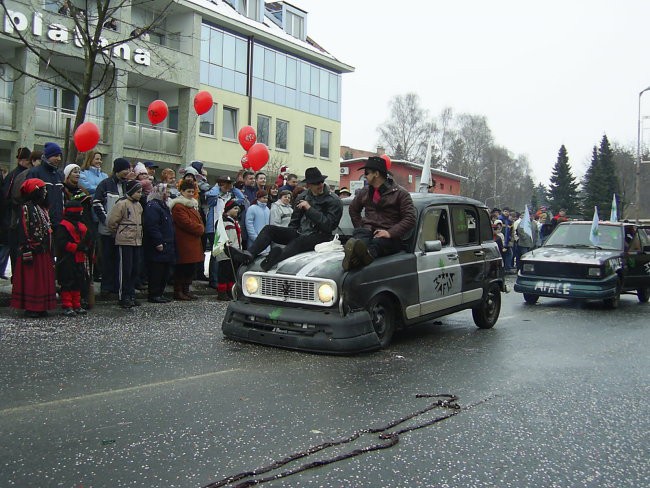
(567, 288)
(302, 329)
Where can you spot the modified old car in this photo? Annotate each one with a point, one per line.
(569, 265)
(309, 302)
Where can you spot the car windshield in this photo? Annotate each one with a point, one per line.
(577, 235)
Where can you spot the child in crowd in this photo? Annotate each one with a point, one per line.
(71, 242)
(125, 224)
(226, 272)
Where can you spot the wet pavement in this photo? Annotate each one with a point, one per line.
(556, 394)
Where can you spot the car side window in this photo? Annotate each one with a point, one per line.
(435, 226)
(465, 225)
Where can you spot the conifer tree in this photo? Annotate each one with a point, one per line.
(563, 190)
(600, 181)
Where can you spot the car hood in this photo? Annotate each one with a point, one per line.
(571, 255)
(310, 264)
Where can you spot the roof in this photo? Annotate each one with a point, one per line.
(403, 162)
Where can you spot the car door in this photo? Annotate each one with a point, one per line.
(465, 224)
(439, 273)
(637, 261)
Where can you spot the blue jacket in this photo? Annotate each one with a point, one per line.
(211, 198)
(158, 229)
(257, 216)
(53, 177)
(90, 178)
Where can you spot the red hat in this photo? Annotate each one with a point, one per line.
(31, 185)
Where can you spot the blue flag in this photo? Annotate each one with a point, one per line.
(614, 214)
(594, 235)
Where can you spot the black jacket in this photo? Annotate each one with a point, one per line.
(322, 218)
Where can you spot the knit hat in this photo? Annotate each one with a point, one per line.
(131, 187)
(30, 185)
(23, 153)
(140, 169)
(191, 170)
(229, 204)
(197, 165)
(120, 164)
(51, 149)
(68, 169)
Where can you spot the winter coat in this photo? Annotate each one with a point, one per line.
(212, 197)
(125, 222)
(188, 227)
(53, 178)
(257, 216)
(322, 218)
(107, 193)
(280, 214)
(70, 261)
(158, 229)
(91, 178)
(10, 206)
(233, 233)
(393, 212)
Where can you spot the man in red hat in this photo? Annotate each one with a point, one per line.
(389, 217)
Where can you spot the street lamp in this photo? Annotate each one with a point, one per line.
(637, 190)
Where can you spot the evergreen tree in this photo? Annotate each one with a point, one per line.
(590, 185)
(563, 190)
(600, 181)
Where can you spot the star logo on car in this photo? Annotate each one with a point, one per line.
(285, 288)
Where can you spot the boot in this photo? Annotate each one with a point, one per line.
(187, 292)
(178, 292)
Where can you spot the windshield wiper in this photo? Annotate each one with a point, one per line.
(585, 246)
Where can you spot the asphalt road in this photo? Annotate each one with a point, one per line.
(555, 395)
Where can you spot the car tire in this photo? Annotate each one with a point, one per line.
(382, 316)
(643, 294)
(487, 313)
(614, 302)
(530, 299)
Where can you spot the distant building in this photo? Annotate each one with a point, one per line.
(405, 173)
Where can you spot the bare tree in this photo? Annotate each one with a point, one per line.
(408, 129)
(92, 22)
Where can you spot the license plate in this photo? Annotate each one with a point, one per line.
(553, 288)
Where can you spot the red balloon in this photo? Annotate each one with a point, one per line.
(247, 137)
(258, 156)
(157, 111)
(387, 159)
(244, 162)
(86, 136)
(202, 102)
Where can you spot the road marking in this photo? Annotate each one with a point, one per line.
(92, 396)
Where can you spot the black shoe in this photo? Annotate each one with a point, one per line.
(80, 311)
(68, 312)
(165, 299)
(3, 277)
(238, 256)
(272, 259)
(30, 314)
(126, 304)
(158, 300)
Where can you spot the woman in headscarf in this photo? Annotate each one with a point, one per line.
(33, 279)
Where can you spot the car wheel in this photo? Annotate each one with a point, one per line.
(615, 301)
(643, 294)
(382, 316)
(486, 314)
(530, 299)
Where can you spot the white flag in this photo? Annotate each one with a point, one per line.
(594, 235)
(613, 217)
(525, 223)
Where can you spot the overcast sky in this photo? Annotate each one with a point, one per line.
(543, 73)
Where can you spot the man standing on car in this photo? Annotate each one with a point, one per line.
(317, 213)
(389, 217)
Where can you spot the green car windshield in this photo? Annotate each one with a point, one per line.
(577, 235)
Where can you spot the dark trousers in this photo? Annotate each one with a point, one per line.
(294, 243)
(158, 276)
(128, 259)
(377, 247)
(108, 264)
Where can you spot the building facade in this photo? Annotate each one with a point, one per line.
(255, 59)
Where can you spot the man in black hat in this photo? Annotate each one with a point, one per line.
(389, 217)
(317, 213)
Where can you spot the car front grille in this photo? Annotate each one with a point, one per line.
(288, 289)
(561, 270)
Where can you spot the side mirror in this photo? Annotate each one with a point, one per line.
(432, 246)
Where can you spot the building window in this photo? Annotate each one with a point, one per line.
(310, 136)
(281, 134)
(172, 119)
(224, 60)
(325, 138)
(263, 129)
(229, 123)
(206, 122)
(442, 186)
(295, 26)
(250, 8)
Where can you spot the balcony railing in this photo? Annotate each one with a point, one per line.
(157, 139)
(7, 113)
(52, 121)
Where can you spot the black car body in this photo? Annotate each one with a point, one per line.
(310, 303)
(571, 265)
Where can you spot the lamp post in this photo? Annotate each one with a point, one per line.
(637, 186)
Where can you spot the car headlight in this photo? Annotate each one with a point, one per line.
(595, 272)
(325, 292)
(252, 284)
(528, 268)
